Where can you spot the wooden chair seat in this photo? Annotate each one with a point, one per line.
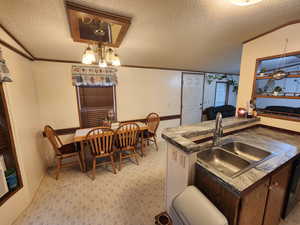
(69, 148)
(62, 151)
(152, 122)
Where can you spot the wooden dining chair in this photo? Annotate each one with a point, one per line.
(126, 139)
(152, 121)
(100, 141)
(62, 151)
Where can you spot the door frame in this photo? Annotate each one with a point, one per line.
(181, 93)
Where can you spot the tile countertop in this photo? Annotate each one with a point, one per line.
(284, 146)
(180, 136)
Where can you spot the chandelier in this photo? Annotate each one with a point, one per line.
(101, 55)
(244, 2)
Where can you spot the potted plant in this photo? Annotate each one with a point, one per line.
(262, 71)
(11, 178)
(277, 90)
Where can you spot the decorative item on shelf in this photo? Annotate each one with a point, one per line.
(269, 86)
(4, 72)
(251, 106)
(279, 73)
(242, 112)
(244, 2)
(106, 56)
(11, 178)
(277, 90)
(111, 116)
(262, 72)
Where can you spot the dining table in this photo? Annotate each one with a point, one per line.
(80, 135)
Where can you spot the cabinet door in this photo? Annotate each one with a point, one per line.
(253, 205)
(277, 191)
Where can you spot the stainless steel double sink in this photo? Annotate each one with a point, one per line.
(233, 158)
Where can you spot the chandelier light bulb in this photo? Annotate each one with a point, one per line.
(244, 2)
(102, 63)
(88, 56)
(116, 61)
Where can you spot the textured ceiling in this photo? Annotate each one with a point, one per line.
(191, 34)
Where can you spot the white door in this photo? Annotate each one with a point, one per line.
(192, 98)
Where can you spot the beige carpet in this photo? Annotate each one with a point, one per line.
(131, 197)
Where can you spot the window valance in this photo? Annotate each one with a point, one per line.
(4, 72)
(94, 76)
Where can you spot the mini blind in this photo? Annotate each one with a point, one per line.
(94, 104)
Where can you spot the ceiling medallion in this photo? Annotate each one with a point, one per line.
(90, 25)
(244, 2)
(102, 31)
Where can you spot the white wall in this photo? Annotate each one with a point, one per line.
(267, 45)
(24, 115)
(139, 92)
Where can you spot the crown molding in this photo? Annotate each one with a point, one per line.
(272, 30)
(17, 41)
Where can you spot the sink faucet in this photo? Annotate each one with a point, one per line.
(218, 133)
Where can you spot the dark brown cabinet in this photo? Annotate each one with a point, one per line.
(261, 204)
(276, 195)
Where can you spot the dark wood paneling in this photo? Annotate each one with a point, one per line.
(276, 197)
(72, 130)
(225, 200)
(272, 30)
(162, 118)
(253, 205)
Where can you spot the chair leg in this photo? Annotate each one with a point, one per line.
(94, 168)
(155, 143)
(113, 164)
(135, 156)
(120, 162)
(80, 162)
(58, 167)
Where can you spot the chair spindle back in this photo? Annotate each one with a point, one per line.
(152, 121)
(100, 140)
(53, 138)
(127, 135)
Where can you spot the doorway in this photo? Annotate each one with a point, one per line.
(191, 98)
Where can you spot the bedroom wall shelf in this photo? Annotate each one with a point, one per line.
(278, 99)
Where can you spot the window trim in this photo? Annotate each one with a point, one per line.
(227, 92)
(79, 106)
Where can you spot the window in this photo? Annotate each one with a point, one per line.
(8, 158)
(221, 94)
(94, 104)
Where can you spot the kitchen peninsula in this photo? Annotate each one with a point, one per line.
(251, 191)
